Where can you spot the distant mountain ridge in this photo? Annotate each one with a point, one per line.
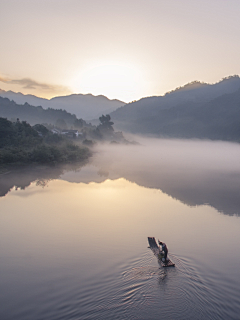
(85, 106)
(197, 110)
(33, 115)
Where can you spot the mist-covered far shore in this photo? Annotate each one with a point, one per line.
(192, 171)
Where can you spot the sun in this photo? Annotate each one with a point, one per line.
(112, 80)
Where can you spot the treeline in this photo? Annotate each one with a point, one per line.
(59, 119)
(33, 115)
(197, 110)
(22, 143)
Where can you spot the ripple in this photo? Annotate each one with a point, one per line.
(139, 288)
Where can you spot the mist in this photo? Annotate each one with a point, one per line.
(91, 221)
(194, 172)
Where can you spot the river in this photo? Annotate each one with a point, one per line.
(73, 241)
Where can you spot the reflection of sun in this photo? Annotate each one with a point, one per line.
(114, 81)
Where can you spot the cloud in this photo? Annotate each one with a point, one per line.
(3, 79)
(28, 83)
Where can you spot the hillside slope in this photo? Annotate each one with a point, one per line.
(194, 111)
(83, 106)
(11, 110)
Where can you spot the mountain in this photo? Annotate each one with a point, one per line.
(83, 106)
(197, 110)
(33, 115)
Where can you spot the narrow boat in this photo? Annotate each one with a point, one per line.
(158, 253)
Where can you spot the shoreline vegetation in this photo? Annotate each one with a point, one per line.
(23, 144)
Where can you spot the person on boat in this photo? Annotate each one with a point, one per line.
(164, 249)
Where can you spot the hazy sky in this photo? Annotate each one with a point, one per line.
(123, 49)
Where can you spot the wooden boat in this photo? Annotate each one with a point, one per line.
(158, 253)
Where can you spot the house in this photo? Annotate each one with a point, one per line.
(71, 133)
(56, 131)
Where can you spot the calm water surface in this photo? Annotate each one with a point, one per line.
(75, 247)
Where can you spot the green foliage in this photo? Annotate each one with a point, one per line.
(79, 123)
(106, 120)
(105, 126)
(61, 123)
(21, 143)
(88, 142)
(17, 134)
(41, 129)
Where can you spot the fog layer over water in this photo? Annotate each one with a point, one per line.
(75, 247)
(195, 172)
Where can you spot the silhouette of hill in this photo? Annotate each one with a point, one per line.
(197, 110)
(83, 106)
(33, 115)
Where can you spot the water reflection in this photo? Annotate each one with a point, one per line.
(79, 250)
(194, 172)
(21, 178)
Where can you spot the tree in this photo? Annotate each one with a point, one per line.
(105, 125)
(61, 123)
(105, 120)
(41, 128)
(79, 123)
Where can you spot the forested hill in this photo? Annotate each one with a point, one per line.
(33, 115)
(195, 111)
(86, 106)
(23, 144)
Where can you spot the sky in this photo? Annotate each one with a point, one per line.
(123, 49)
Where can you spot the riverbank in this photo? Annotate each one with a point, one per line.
(43, 154)
(22, 144)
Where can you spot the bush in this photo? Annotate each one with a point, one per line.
(88, 142)
(21, 143)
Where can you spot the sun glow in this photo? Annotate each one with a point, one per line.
(112, 80)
